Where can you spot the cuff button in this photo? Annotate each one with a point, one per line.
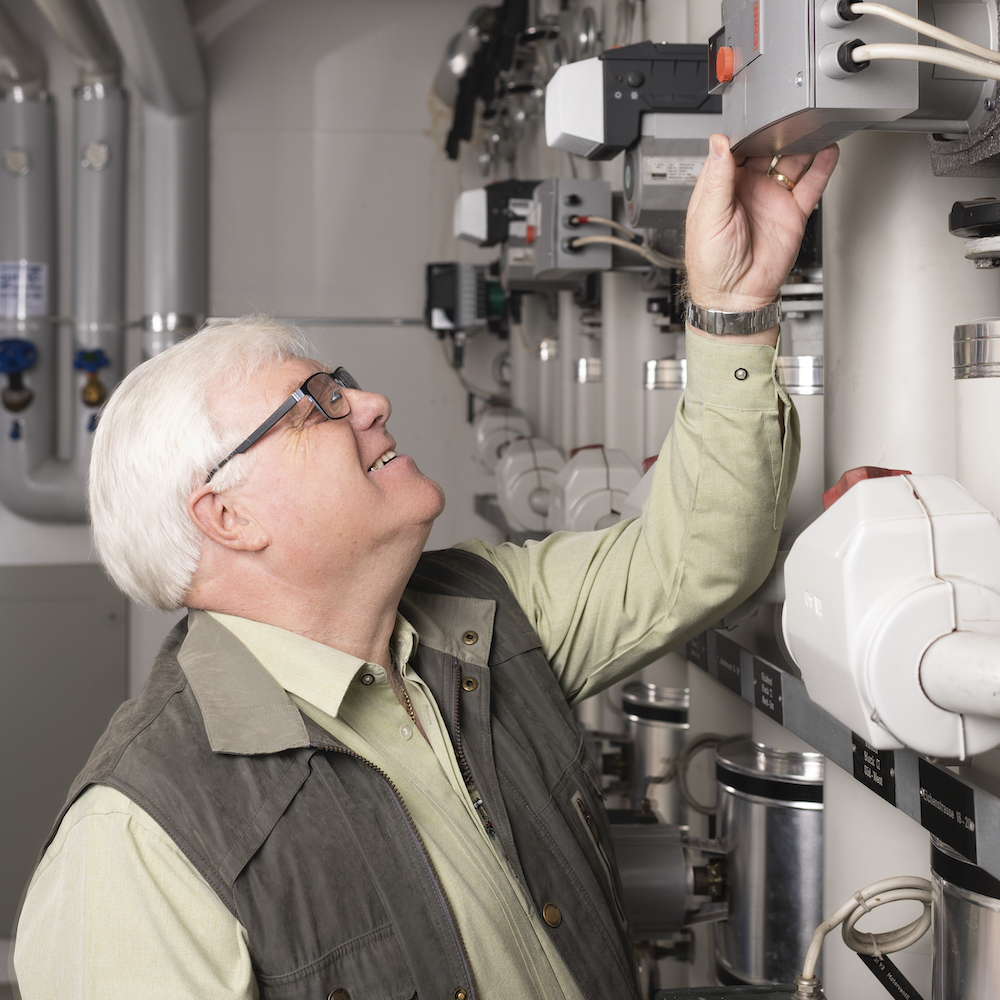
(740, 373)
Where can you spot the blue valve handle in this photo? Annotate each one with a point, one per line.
(17, 356)
(90, 361)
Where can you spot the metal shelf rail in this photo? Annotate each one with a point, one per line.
(962, 815)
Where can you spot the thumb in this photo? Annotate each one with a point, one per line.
(717, 184)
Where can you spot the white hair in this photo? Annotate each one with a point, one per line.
(157, 440)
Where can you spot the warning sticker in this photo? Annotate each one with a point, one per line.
(24, 289)
(671, 169)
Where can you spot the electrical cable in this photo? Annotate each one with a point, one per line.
(705, 741)
(658, 259)
(925, 28)
(925, 54)
(887, 890)
(599, 220)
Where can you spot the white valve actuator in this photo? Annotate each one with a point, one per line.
(895, 565)
(591, 489)
(496, 428)
(525, 475)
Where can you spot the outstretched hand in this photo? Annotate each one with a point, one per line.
(744, 228)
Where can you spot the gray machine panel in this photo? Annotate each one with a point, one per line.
(63, 672)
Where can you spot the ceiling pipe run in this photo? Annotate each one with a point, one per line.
(158, 44)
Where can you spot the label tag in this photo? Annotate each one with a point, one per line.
(696, 651)
(683, 170)
(876, 769)
(24, 288)
(948, 809)
(519, 208)
(767, 690)
(895, 983)
(727, 659)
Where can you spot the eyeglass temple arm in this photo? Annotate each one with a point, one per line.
(249, 442)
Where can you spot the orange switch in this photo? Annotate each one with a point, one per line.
(725, 60)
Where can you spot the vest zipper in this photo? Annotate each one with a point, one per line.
(591, 827)
(429, 865)
(463, 764)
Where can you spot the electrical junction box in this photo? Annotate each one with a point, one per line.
(893, 565)
(660, 172)
(591, 488)
(559, 198)
(781, 92)
(495, 213)
(594, 107)
(456, 297)
(525, 475)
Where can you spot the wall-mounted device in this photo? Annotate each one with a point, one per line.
(796, 76)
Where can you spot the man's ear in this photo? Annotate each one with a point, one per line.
(221, 520)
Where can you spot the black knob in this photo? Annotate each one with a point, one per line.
(635, 79)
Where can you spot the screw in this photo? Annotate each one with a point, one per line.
(989, 104)
(799, 79)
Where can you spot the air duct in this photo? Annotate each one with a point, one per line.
(158, 46)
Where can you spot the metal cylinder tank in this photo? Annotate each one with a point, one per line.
(770, 815)
(656, 719)
(965, 928)
(977, 403)
(663, 387)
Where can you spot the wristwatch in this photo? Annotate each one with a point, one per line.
(719, 322)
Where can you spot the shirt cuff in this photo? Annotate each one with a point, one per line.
(733, 376)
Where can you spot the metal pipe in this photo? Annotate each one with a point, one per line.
(22, 68)
(82, 30)
(158, 44)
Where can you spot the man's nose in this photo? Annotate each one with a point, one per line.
(368, 409)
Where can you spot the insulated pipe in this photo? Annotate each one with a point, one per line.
(82, 31)
(977, 403)
(960, 672)
(22, 69)
(570, 348)
(158, 45)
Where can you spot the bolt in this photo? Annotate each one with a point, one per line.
(989, 104)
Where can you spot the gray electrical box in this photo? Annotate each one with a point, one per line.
(63, 672)
(558, 199)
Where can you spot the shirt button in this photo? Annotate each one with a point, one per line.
(339, 994)
(366, 679)
(740, 373)
(406, 732)
(459, 994)
(470, 638)
(551, 915)
(470, 684)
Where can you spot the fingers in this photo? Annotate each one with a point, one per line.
(811, 185)
(713, 197)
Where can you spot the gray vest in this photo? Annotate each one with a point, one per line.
(311, 848)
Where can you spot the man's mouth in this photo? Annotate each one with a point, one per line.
(382, 460)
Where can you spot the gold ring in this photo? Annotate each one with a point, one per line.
(778, 176)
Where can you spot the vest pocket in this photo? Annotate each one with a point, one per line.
(582, 811)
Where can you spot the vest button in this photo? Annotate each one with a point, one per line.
(339, 994)
(550, 914)
(470, 638)
(459, 994)
(470, 684)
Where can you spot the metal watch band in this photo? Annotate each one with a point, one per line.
(719, 322)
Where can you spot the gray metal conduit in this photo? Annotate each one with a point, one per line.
(158, 45)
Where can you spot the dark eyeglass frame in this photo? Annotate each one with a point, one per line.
(340, 376)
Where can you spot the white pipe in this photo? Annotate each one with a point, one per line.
(960, 672)
(158, 44)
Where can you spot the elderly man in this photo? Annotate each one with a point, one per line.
(353, 771)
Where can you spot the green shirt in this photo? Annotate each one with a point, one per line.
(115, 909)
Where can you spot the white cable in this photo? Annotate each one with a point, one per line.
(926, 29)
(888, 890)
(599, 220)
(659, 259)
(927, 54)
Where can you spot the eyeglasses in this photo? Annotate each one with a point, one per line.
(321, 389)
